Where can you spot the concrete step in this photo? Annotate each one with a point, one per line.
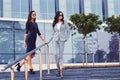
(108, 73)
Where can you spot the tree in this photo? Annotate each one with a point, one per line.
(85, 24)
(113, 27)
(113, 24)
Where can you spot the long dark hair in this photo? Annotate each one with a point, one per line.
(56, 18)
(29, 17)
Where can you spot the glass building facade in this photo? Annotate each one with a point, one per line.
(113, 7)
(13, 15)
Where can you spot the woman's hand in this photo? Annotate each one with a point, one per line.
(25, 36)
(45, 42)
(25, 44)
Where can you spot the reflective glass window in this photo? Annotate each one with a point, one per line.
(72, 7)
(20, 8)
(6, 41)
(11, 40)
(110, 7)
(93, 6)
(69, 7)
(19, 27)
(47, 9)
(116, 7)
(1, 6)
(19, 38)
(113, 7)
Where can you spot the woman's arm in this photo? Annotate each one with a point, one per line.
(25, 36)
(67, 29)
(41, 37)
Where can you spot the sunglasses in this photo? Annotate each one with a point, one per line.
(34, 14)
(60, 15)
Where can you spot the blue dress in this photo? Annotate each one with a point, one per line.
(32, 31)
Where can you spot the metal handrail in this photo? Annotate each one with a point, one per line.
(24, 56)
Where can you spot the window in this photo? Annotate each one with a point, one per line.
(47, 9)
(20, 8)
(72, 7)
(93, 6)
(1, 6)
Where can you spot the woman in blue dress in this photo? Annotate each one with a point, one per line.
(30, 40)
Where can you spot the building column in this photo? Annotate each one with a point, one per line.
(56, 5)
(105, 9)
(30, 5)
(81, 6)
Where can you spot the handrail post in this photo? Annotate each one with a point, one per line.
(26, 70)
(93, 51)
(12, 73)
(119, 50)
(40, 63)
(48, 59)
(86, 53)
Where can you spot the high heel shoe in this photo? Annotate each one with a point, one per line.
(31, 71)
(18, 67)
(60, 74)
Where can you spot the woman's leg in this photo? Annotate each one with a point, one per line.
(19, 65)
(61, 50)
(22, 62)
(57, 63)
(56, 46)
(29, 60)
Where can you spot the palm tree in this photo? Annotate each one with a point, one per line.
(85, 24)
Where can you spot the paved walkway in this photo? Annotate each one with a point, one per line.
(108, 73)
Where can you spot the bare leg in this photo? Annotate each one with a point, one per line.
(29, 61)
(61, 75)
(58, 66)
(61, 50)
(57, 63)
(22, 62)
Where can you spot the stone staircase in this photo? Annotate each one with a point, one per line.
(106, 73)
